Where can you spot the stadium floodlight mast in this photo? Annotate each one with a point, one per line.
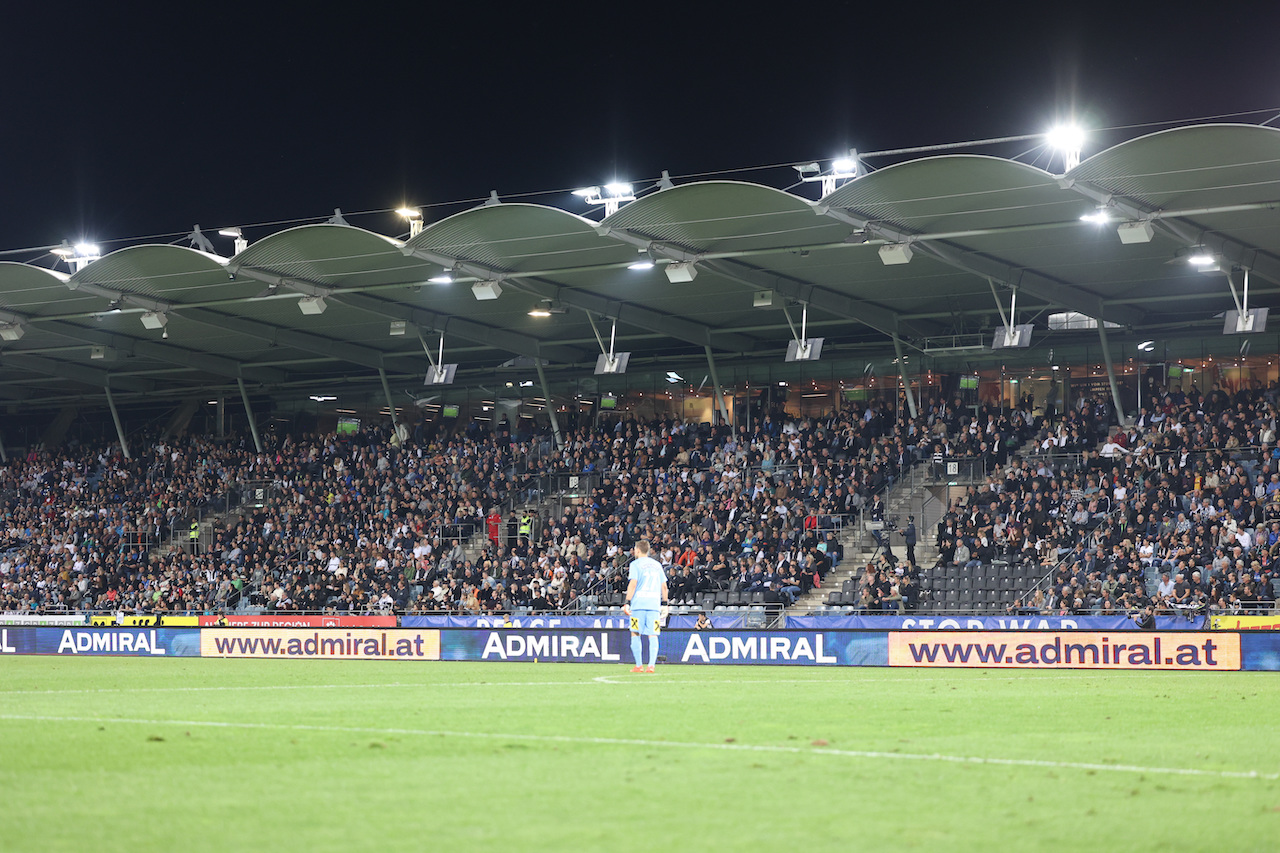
(612, 196)
(237, 235)
(78, 256)
(842, 169)
(1068, 140)
(414, 215)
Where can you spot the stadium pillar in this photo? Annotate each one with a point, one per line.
(715, 382)
(902, 371)
(386, 389)
(248, 413)
(1111, 373)
(222, 404)
(551, 406)
(4, 457)
(115, 416)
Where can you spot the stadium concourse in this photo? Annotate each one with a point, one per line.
(1065, 376)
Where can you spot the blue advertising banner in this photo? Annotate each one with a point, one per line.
(989, 623)
(169, 642)
(520, 644)
(803, 648)
(1260, 650)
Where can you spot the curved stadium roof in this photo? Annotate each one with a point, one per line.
(971, 222)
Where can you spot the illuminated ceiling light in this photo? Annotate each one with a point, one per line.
(323, 398)
(443, 278)
(641, 265)
(312, 305)
(414, 215)
(539, 312)
(154, 319)
(893, 254)
(1201, 257)
(674, 377)
(1146, 346)
(1101, 216)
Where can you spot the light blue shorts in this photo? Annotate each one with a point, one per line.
(646, 622)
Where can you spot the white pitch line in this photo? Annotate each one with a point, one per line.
(649, 744)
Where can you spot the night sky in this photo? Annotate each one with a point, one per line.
(122, 123)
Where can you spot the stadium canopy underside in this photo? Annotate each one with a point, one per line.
(974, 231)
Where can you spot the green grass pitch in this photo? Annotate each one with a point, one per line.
(193, 755)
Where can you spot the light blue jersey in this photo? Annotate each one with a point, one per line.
(649, 577)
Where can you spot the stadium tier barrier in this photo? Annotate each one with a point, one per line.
(1198, 651)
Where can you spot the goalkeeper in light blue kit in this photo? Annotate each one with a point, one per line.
(646, 603)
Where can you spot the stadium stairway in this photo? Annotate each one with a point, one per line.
(860, 546)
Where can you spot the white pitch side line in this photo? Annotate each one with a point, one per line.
(727, 747)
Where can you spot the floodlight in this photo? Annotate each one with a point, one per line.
(64, 251)
(87, 250)
(807, 169)
(892, 254)
(539, 312)
(617, 189)
(1101, 216)
(844, 165)
(414, 215)
(641, 265)
(1066, 137)
(587, 192)
(486, 290)
(11, 332)
(230, 232)
(682, 272)
(443, 278)
(1135, 232)
(155, 320)
(762, 299)
(312, 305)
(1201, 257)
(398, 328)
(1146, 346)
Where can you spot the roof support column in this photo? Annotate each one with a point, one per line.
(715, 383)
(1111, 373)
(4, 457)
(391, 405)
(551, 407)
(115, 416)
(906, 380)
(248, 412)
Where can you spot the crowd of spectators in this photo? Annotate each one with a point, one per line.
(1189, 494)
(381, 520)
(386, 520)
